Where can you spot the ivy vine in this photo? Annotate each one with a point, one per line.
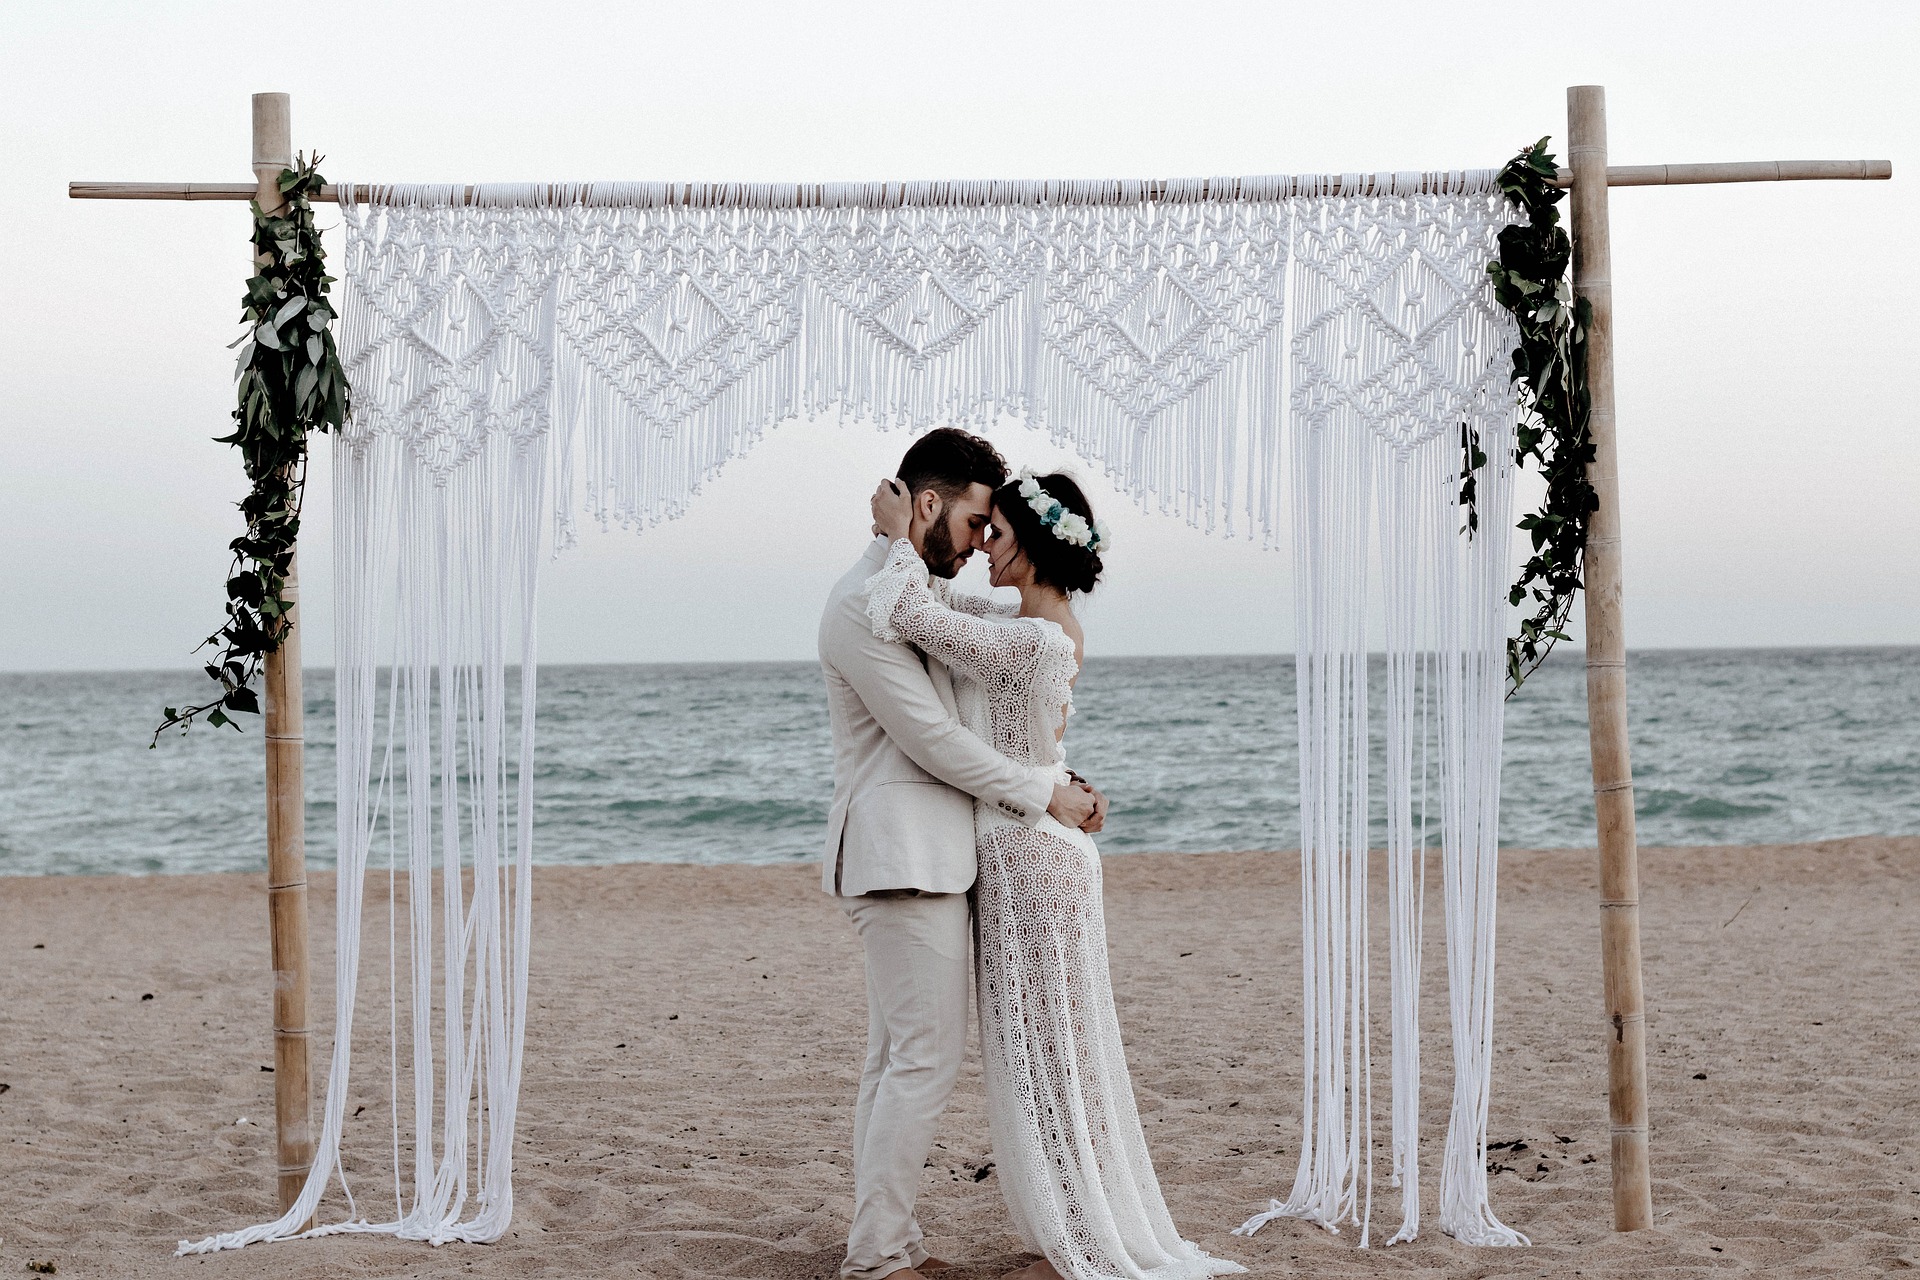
(1530, 280)
(290, 385)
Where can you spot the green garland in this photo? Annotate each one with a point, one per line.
(290, 384)
(1530, 279)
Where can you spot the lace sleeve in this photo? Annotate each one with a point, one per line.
(983, 606)
(902, 606)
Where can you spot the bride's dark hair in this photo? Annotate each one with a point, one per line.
(1056, 562)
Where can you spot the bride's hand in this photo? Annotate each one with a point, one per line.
(892, 510)
(1094, 824)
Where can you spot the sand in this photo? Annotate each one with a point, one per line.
(696, 1032)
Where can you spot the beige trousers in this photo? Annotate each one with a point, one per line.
(917, 962)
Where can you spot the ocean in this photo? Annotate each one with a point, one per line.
(732, 763)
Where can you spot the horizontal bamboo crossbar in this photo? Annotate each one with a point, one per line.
(871, 195)
(710, 194)
(1677, 175)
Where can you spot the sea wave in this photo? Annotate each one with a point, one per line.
(733, 763)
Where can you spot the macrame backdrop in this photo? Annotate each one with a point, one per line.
(1249, 354)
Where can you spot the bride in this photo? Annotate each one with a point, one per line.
(1067, 1139)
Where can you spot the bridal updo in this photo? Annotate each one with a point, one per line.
(1056, 562)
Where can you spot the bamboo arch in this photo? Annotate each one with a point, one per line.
(1589, 177)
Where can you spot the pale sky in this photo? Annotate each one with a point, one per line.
(1766, 334)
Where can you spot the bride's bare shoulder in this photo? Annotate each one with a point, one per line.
(1069, 626)
(1076, 633)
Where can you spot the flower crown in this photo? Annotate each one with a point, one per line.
(1068, 526)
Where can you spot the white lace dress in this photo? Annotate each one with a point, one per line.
(1068, 1146)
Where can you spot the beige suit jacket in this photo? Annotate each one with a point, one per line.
(905, 770)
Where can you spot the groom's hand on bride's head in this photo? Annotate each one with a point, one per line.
(892, 509)
(1072, 804)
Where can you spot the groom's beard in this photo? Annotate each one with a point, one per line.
(937, 549)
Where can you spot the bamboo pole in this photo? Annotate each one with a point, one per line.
(1676, 175)
(286, 784)
(1642, 175)
(1607, 682)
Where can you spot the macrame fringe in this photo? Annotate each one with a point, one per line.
(1152, 338)
(436, 680)
(1242, 353)
(1394, 354)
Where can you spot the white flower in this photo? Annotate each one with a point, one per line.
(1102, 539)
(1073, 529)
(1029, 488)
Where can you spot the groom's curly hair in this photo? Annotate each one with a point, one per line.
(947, 460)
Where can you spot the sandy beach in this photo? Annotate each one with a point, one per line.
(695, 1037)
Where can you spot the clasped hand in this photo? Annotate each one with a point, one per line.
(1077, 804)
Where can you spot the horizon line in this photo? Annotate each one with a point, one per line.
(1559, 654)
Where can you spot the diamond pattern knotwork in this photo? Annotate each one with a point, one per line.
(1393, 313)
(686, 323)
(1162, 315)
(672, 309)
(1149, 303)
(450, 343)
(925, 316)
(921, 281)
(681, 320)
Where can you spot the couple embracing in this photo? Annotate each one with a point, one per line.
(960, 841)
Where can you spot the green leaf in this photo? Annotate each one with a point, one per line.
(285, 386)
(1530, 281)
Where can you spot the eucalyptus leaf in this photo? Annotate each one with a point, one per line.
(1530, 280)
(287, 387)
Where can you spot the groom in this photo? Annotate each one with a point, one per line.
(900, 854)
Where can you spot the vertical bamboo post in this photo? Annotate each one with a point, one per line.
(1607, 682)
(286, 784)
